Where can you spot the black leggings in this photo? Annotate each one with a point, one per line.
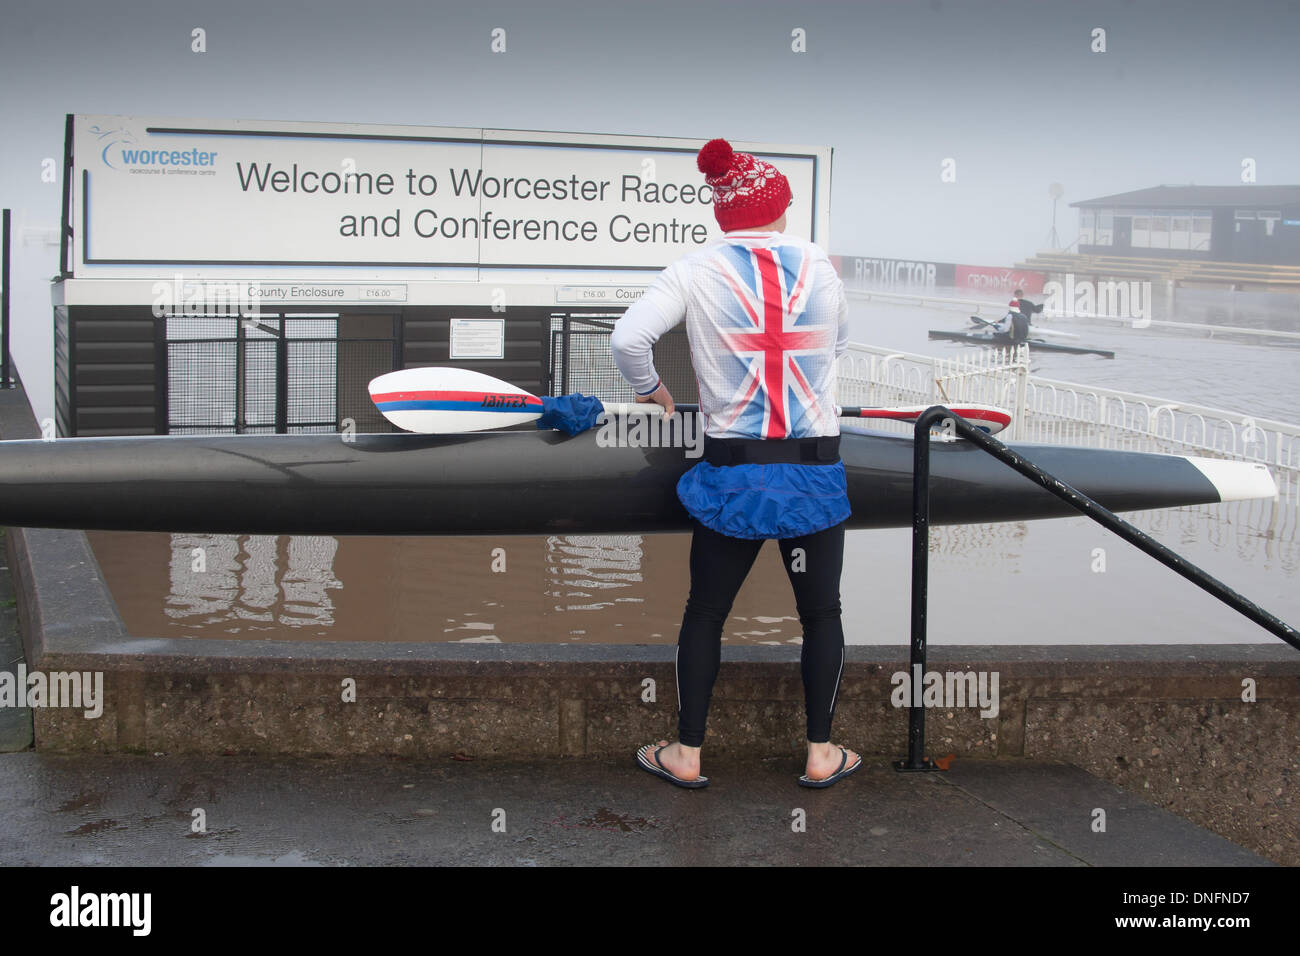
(719, 565)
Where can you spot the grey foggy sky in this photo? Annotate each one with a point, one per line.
(1008, 88)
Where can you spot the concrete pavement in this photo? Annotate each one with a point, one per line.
(141, 810)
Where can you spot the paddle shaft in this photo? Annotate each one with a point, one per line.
(450, 400)
(848, 411)
(650, 408)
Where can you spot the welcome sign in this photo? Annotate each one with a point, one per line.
(211, 195)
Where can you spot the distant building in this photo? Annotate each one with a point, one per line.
(1248, 224)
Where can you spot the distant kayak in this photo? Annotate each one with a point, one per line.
(1002, 339)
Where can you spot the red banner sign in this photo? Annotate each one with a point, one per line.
(988, 279)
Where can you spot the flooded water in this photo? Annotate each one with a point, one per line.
(1065, 581)
(1234, 373)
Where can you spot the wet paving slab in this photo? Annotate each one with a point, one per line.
(238, 811)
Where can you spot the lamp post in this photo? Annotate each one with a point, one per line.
(1056, 191)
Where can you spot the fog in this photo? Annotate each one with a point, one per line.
(1005, 97)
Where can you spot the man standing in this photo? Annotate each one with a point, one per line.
(765, 317)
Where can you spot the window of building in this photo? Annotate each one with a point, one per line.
(1200, 241)
(1180, 229)
(1159, 232)
(1087, 227)
(1173, 229)
(1140, 236)
(1270, 218)
(1105, 227)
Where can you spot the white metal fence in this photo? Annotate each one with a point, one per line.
(1053, 412)
(875, 376)
(1065, 413)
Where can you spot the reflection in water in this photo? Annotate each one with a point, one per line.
(1018, 582)
(481, 639)
(1260, 532)
(976, 545)
(578, 566)
(218, 578)
(765, 635)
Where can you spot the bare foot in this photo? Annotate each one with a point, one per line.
(681, 761)
(824, 760)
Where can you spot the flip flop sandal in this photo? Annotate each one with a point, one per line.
(659, 770)
(840, 774)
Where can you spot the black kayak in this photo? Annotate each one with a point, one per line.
(1003, 339)
(530, 482)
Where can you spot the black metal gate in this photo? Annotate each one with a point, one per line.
(277, 373)
(581, 360)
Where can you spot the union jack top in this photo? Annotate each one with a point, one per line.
(766, 319)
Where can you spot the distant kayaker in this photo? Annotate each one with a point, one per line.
(766, 318)
(1020, 311)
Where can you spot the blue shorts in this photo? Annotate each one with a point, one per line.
(766, 501)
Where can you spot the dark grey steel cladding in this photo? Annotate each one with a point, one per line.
(509, 483)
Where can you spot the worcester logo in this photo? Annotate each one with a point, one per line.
(121, 150)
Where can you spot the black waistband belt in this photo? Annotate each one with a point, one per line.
(759, 451)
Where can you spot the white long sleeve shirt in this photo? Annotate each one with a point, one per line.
(766, 318)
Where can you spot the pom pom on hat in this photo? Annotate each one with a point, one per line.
(715, 157)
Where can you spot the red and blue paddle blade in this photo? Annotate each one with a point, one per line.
(451, 400)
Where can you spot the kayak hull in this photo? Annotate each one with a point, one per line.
(517, 482)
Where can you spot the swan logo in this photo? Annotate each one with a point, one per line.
(111, 143)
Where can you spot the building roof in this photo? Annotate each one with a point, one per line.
(1187, 196)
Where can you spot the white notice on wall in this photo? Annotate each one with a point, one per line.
(478, 338)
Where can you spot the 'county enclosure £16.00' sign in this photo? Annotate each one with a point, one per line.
(245, 193)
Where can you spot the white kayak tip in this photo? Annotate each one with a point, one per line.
(1237, 480)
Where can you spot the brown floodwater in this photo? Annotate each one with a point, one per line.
(543, 589)
(1064, 581)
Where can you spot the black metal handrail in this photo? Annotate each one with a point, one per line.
(1076, 499)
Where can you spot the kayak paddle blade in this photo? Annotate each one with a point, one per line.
(442, 401)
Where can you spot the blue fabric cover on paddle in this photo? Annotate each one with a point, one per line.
(766, 501)
(571, 414)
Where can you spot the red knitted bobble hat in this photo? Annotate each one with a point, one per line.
(747, 192)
